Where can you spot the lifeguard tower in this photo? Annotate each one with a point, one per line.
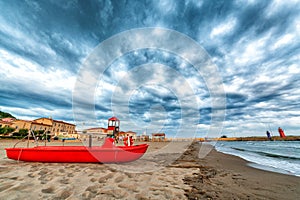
(113, 126)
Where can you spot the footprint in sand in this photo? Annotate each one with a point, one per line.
(5, 187)
(61, 171)
(91, 174)
(103, 179)
(93, 188)
(64, 181)
(113, 193)
(14, 178)
(130, 175)
(65, 194)
(31, 175)
(87, 195)
(91, 191)
(48, 190)
(93, 180)
(45, 179)
(129, 187)
(120, 178)
(33, 169)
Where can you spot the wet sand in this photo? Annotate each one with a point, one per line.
(165, 172)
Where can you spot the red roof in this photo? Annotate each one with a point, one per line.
(113, 119)
(8, 119)
(96, 128)
(158, 134)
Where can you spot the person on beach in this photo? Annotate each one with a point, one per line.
(120, 138)
(128, 140)
(269, 135)
(281, 132)
(131, 141)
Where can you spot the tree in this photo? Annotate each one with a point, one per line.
(21, 133)
(38, 133)
(223, 136)
(5, 114)
(6, 130)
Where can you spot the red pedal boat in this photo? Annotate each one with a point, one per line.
(107, 153)
(78, 154)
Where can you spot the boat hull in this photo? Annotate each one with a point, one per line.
(77, 154)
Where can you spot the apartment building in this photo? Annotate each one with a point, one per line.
(53, 127)
(58, 127)
(29, 125)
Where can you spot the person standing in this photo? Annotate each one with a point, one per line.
(126, 140)
(131, 141)
(281, 132)
(269, 135)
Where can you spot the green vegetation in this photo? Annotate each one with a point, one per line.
(6, 130)
(41, 134)
(21, 133)
(5, 114)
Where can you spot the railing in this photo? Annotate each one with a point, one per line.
(34, 137)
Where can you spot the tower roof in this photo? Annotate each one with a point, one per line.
(113, 119)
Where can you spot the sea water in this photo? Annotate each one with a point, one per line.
(277, 156)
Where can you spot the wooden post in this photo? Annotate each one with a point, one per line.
(90, 140)
(28, 136)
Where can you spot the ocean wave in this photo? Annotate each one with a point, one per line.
(273, 155)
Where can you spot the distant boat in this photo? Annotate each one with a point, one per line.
(107, 153)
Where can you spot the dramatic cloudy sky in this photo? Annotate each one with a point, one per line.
(49, 61)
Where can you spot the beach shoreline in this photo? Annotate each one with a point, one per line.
(235, 178)
(216, 176)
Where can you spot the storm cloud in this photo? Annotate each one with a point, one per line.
(254, 44)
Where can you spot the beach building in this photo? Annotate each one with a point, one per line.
(61, 127)
(30, 125)
(97, 132)
(36, 126)
(58, 128)
(158, 137)
(51, 126)
(129, 133)
(144, 138)
(21, 124)
(8, 119)
(5, 124)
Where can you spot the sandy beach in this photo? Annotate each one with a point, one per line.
(165, 172)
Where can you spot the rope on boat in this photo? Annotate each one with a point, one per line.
(22, 140)
(20, 155)
(27, 136)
